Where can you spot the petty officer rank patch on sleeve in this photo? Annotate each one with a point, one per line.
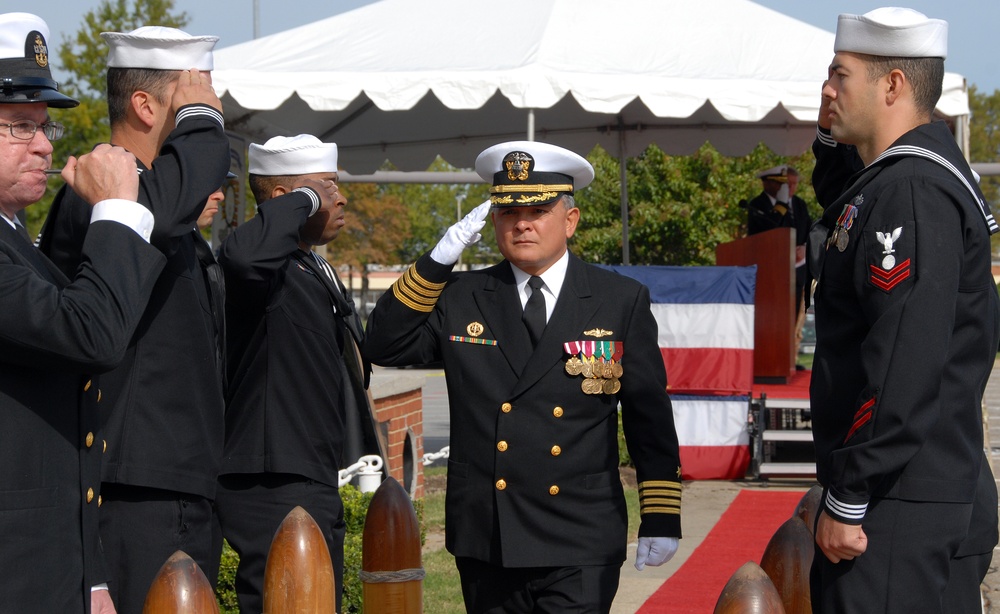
(890, 255)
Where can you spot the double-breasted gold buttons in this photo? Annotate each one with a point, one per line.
(506, 407)
(90, 495)
(502, 446)
(501, 484)
(553, 490)
(556, 450)
(89, 440)
(557, 412)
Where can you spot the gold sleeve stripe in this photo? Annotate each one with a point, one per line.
(659, 497)
(661, 501)
(412, 305)
(666, 491)
(416, 292)
(420, 281)
(660, 484)
(660, 510)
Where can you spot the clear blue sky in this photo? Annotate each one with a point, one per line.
(974, 42)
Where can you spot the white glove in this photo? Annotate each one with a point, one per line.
(655, 551)
(460, 235)
(782, 195)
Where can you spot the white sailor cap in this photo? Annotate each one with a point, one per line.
(531, 173)
(892, 32)
(159, 48)
(777, 173)
(24, 62)
(295, 155)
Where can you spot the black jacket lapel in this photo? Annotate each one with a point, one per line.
(36, 259)
(501, 309)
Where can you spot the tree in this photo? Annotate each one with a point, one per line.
(431, 209)
(984, 136)
(84, 57)
(377, 225)
(680, 207)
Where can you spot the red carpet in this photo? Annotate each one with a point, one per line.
(797, 387)
(740, 535)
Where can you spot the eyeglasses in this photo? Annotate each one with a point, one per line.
(25, 129)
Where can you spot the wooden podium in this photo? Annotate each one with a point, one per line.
(774, 306)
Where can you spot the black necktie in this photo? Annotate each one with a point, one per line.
(534, 310)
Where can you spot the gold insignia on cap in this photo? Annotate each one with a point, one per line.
(474, 329)
(41, 51)
(517, 164)
(598, 332)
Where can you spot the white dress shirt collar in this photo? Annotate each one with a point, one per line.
(553, 277)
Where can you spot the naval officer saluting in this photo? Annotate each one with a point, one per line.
(538, 352)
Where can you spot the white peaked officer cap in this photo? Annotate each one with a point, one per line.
(159, 48)
(778, 173)
(293, 155)
(526, 173)
(892, 32)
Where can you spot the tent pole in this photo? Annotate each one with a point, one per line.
(624, 188)
(531, 124)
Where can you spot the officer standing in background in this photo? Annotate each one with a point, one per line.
(291, 326)
(777, 206)
(57, 334)
(163, 407)
(907, 324)
(538, 352)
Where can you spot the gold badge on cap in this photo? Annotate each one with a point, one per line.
(474, 329)
(41, 51)
(517, 164)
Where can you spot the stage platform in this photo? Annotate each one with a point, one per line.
(781, 429)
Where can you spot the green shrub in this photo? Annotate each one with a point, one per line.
(225, 590)
(355, 511)
(624, 459)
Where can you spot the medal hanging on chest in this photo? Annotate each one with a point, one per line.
(841, 236)
(574, 366)
(599, 362)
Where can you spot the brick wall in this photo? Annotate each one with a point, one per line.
(399, 411)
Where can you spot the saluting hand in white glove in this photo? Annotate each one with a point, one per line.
(655, 551)
(460, 235)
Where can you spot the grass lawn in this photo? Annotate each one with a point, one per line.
(442, 588)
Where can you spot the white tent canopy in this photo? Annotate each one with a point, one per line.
(406, 81)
